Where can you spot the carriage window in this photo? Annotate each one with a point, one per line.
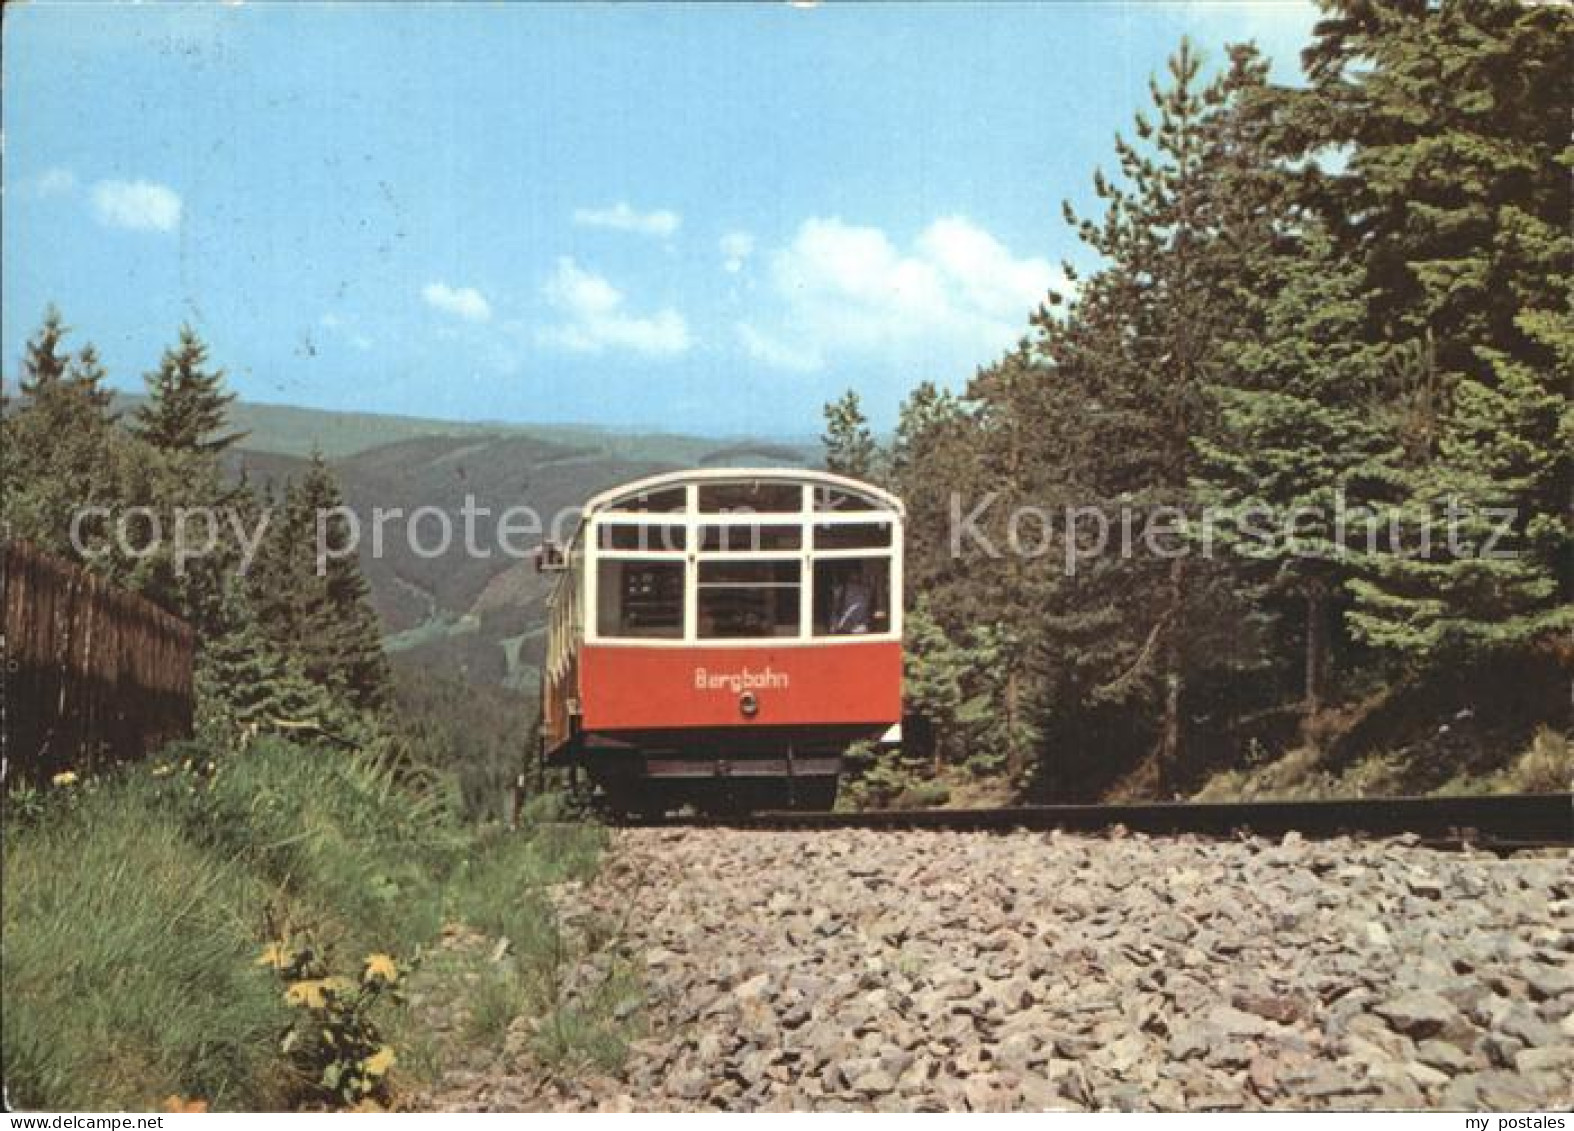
(852, 596)
(639, 599)
(665, 501)
(748, 599)
(852, 535)
(751, 536)
(761, 498)
(640, 536)
(839, 499)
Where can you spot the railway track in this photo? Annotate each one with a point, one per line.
(1507, 822)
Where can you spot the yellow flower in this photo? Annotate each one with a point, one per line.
(380, 967)
(66, 777)
(275, 956)
(313, 993)
(379, 1062)
(182, 1105)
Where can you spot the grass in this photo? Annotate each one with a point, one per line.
(128, 965)
(137, 907)
(497, 996)
(1545, 766)
(577, 1021)
(348, 848)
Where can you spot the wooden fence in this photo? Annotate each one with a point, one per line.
(92, 674)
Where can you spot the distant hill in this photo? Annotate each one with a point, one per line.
(293, 431)
(480, 617)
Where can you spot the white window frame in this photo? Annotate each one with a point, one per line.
(806, 518)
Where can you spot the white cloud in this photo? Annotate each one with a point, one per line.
(1280, 29)
(622, 218)
(462, 302)
(141, 206)
(736, 247)
(596, 320)
(956, 298)
(55, 182)
(777, 354)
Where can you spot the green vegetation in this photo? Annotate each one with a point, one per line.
(1349, 294)
(850, 448)
(130, 962)
(191, 928)
(237, 924)
(574, 1022)
(186, 403)
(1545, 766)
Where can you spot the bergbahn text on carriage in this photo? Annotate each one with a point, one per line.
(721, 637)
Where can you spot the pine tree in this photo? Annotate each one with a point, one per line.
(187, 403)
(86, 376)
(324, 617)
(1131, 361)
(59, 449)
(850, 448)
(247, 685)
(1010, 407)
(1298, 446)
(933, 458)
(44, 362)
(1455, 198)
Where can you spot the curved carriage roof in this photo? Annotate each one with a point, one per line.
(606, 499)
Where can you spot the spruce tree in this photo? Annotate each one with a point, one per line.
(44, 361)
(850, 448)
(187, 405)
(932, 673)
(933, 458)
(1298, 446)
(47, 365)
(323, 618)
(86, 376)
(1455, 201)
(247, 685)
(1131, 361)
(59, 449)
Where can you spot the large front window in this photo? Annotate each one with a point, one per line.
(741, 599)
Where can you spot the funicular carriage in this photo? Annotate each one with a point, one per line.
(720, 637)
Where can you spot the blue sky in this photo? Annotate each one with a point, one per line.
(683, 218)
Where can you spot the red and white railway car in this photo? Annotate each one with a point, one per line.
(720, 637)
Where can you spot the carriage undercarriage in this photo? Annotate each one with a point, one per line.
(734, 772)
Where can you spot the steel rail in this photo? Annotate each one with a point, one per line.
(1499, 821)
